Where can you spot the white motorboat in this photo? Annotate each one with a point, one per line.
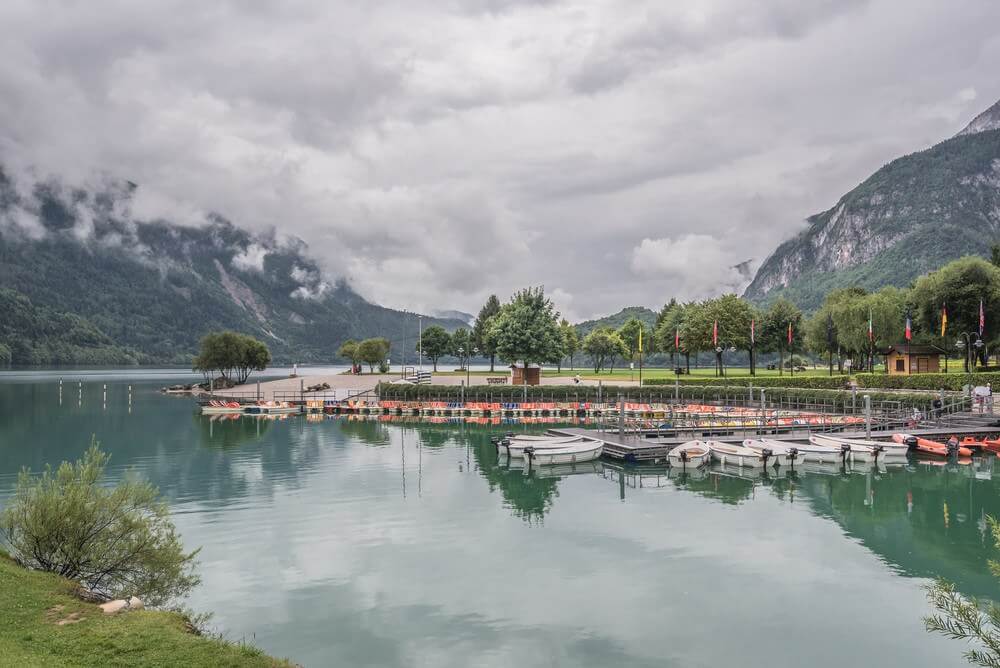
(692, 454)
(821, 454)
(737, 455)
(584, 451)
(781, 454)
(217, 407)
(861, 449)
(515, 449)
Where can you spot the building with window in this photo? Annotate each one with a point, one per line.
(906, 359)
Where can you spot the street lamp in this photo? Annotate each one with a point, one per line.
(719, 349)
(468, 366)
(420, 342)
(965, 342)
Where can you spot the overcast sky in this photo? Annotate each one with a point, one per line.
(616, 151)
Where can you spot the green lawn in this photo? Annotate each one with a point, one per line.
(32, 604)
(625, 374)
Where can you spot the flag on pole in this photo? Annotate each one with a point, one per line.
(752, 341)
(871, 329)
(677, 339)
(640, 339)
(715, 333)
(789, 333)
(908, 333)
(982, 319)
(944, 319)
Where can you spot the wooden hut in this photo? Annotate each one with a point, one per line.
(906, 359)
(517, 375)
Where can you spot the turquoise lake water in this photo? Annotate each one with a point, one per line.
(358, 543)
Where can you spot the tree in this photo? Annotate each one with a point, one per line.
(603, 345)
(435, 343)
(730, 315)
(570, 342)
(234, 356)
(968, 619)
(116, 541)
(527, 330)
(775, 324)
(629, 333)
(349, 350)
(670, 324)
(482, 327)
(960, 285)
(373, 352)
(461, 346)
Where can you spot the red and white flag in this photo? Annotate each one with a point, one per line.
(715, 333)
(751, 331)
(789, 333)
(982, 319)
(677, 339)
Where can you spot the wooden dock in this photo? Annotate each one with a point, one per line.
(646, 447)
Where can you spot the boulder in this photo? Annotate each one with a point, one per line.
(121, 605)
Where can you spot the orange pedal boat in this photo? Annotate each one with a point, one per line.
(930, 447)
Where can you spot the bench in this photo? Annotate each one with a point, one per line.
(496, 380)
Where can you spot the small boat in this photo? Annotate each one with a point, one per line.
(585, 451)
(859, 450)
(218, 407)
(822, 454)
(781, 454)
(515, 449)
(930, 447)
(737, 455)
(991, 444)
(272, 408)
(692, 454)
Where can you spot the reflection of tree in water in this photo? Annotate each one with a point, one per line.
(725, 486)
(367, 431)
(529, 496)
(224, 431)
(928, 521)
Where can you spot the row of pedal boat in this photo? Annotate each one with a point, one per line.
(751, 453)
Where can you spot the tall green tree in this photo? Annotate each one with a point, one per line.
(349, 350)
(604, 345)
(668, 328)
(461, 346)
(960, 285)
(731, 315)
(374, 352)
(527, 329)
(482, 327)
(435, 343)
(232, 355)
(775, 322)
(629, 333)
(570, 342)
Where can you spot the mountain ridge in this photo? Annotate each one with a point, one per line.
(913, 215)
(153, 288)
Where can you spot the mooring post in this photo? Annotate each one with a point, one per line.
(763, 411)
(258, 390)
(677, 388)
(462, 392)
(621, 415)
(868, 416)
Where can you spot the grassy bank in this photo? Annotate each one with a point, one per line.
(33, 604)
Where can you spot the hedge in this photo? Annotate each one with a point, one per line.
(508, 393)
(926, 381)
(811, 382)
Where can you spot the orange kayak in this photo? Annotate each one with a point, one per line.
(993, 445)
(930, 447)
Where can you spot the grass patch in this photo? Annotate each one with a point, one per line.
(43, 624)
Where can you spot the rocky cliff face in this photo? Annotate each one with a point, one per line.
(913, 215)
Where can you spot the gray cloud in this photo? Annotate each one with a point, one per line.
(433, 153)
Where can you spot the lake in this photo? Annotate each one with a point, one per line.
(359, 543)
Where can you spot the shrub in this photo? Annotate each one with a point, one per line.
(116, 541)
(926, 381)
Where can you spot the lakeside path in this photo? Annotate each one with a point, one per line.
(344, 383)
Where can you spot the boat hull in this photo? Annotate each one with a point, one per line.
(574, 456)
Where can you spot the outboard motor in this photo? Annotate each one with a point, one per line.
(766, 453)
(793, 454)
(506, 444)
(845, 452)
(529, 454)
(509, 434)
(953, 446)
(684, 458)
(910, 442)
(877, 449)
(495, 440)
